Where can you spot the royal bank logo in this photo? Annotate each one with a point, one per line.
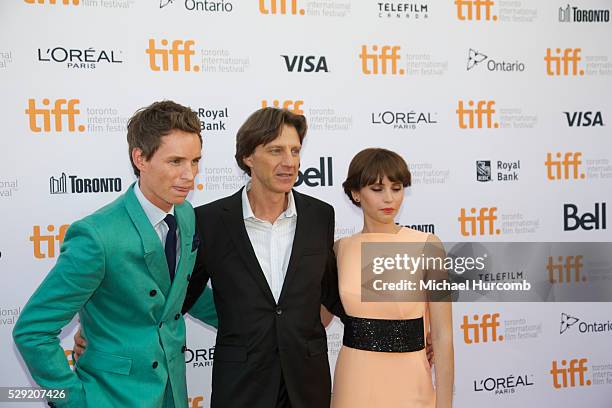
(216, 6)
(584, 119)
(574, 14)
(213, 120)
(403, 120)
(401, 9)
(305, 63)
(476, 58)
(504, 170)
(76, 185)
(79, 58)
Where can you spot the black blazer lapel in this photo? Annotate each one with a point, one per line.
(233, 219)
(302, 208)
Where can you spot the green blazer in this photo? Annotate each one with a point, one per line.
(112, 270)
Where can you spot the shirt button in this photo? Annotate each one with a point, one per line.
(177, 316)
(153, 293)
(155, 364)
(279, 311)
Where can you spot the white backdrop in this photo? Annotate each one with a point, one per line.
(388, 74)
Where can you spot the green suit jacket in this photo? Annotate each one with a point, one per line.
(112, 270)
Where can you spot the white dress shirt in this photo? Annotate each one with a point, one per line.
(272, 242)
(156, 218)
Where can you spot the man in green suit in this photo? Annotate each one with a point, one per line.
(125, 270)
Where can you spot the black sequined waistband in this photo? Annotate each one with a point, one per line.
(395, 336)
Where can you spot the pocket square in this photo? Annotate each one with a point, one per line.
(196, 242)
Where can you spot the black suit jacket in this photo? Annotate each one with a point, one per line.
(259, 340)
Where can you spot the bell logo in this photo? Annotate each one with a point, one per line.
(62, 109)
(301, 63)
(52, 241)
(65, 2)
(484, 109)
(553, 62)
(473, 225)
(567, 264)
(323, 176)
(280, 7)
(196, 402)
(473, 10)
(179, 49)
(576, 372)
(293, 106)
(559, 169)
(588, 221)
(483, 331)
(383, 62)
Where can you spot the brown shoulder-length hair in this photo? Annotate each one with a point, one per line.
(262, 127)
(370, 166)
(148, 125)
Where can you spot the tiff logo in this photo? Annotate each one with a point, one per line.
(52, 242)
(58, 185)
(484, 110)
(62, 109)
(473, 10)
(559, 169)
(293, 106)
(473, 225)
(567, 264)
(576, 372)
(280, 7)
(484, 331)
(553, 62)
(383, 62)
(65, 2)
(179, 50)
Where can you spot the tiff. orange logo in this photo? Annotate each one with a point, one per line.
(68, 354)
(567, 264)
(483, 331)
(179, 50)
(196, 402)
(483, 113)
(559, 169)
(66, 2)
(279, 7)
(473, 10)
(51, 242)
(472, 225)
(382, 60)
(62, 109)
(576, 372)
(293, 106)
(554, 62)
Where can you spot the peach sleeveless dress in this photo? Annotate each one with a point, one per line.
(371, 379)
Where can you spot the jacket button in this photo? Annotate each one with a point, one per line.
(152, 293)
(177, 316)
(279, 311)
(154, 365)
(183, 349)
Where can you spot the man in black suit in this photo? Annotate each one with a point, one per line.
(268, 251)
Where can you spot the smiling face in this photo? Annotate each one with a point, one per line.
(274, 166)
(381, 201)
(168, 176)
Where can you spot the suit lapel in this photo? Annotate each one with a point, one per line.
(233, 219)
(299, 239)
(154, 254)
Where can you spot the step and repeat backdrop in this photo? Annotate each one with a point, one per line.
(501, 109)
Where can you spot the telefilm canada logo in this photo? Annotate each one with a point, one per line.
(476, 58)
(403, 10)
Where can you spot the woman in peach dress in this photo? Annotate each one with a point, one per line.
(383, 363)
